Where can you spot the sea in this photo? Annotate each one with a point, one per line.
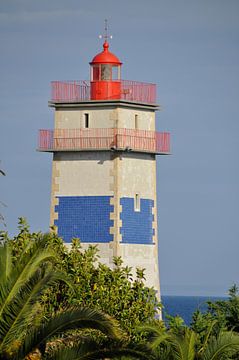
(185, 306)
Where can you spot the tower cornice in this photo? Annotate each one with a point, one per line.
(104, 103)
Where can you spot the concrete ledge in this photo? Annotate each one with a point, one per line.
(104, 103)
(99, 150)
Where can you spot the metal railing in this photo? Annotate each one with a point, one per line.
(79, 90)
(104, 139)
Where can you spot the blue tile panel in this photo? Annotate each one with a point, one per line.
(85, 217)
(137, 226)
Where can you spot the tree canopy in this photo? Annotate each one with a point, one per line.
(24, 280)
(94, 285)
(49, 291)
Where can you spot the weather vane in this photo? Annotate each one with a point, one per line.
(106, 36)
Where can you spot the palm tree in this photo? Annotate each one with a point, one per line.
(23, 327)
(50, 332)
(223, 346)
(90, 350)
(185, 344)
(21, 286)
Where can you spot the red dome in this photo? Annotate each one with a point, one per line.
(106, 57)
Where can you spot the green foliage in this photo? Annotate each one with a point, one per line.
(29, 271)
(41, 279)
(207, 339)
(171, 344)
(183, 346)
(222, 315)
(157, 336)
(22, 284)
(227, 311)
(57, 328)
(224, 346)
(95, 285)
(50, 288)
(90, 350)
(176, 324)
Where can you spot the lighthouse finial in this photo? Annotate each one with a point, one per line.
(106, 36)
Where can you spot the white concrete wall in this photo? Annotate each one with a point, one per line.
(105, 252)
(136, 174)
(142, 256)
(145, 119)
(105, 118)
(84, 174)
(74, 119)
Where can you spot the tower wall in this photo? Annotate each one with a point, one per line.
(81, 198)
(94, 192)
(112, 117)
(135, 230)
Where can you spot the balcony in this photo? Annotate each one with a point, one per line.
(80, 91)
(104, 139)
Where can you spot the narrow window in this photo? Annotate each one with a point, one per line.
(96, 73)
(137, 202)
(136, 121)
(106, 72)
(115, 73)
(86, 125)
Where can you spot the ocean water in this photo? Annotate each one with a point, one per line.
(185, 306)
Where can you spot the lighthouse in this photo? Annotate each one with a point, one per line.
(104, 146)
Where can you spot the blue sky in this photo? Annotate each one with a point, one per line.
(190, 50)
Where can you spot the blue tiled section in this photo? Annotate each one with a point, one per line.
(85, 217)
(137, 226)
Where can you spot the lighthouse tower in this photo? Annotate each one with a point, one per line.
(104, 146)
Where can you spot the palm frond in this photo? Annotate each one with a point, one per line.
(156, 335)
(5, 262)
(91, 350)
(207, 337)
(73, 318)
(33, 258)
(183, 345)
(226, 344)
(19, 314)
(34, 254)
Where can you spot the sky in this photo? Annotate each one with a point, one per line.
(189, 48)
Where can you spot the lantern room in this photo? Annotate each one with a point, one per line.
(105, 78)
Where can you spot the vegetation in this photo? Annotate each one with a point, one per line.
(24, 280)
(223, 314)
(94, 285)
(187, 345)
(64, 304)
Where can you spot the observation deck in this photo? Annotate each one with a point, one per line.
(84, 93)
(114, 139)
(78, 91)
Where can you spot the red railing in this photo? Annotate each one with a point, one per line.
(104, 139)
(70, 91)
(78, 91)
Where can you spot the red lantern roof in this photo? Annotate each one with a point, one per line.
(105, 57)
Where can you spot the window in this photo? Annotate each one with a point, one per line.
(115, 72)
(95, 73)
(137, 202)
(105, 72)
(136, 121)
(86, 121)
